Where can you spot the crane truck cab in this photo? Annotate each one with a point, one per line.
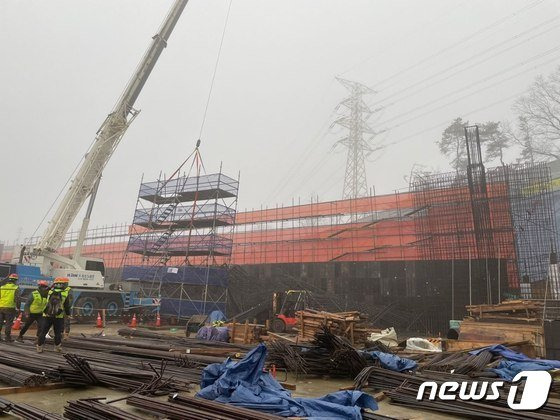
(86, 272)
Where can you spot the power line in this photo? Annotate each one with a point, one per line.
(461, 41)
(525, 62)
(404, 36)
(473, 64)
(444, 123)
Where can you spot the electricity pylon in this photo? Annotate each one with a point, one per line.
(358, 140)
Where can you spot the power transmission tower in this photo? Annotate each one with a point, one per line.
(359, 147)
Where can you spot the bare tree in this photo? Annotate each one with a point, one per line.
(540, 113)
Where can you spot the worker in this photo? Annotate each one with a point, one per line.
(10, 302)
(34, 308)
(69, 317)
(58, 307)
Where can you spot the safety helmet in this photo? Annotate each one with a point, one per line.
(43, 283)
(63, 280)
(13, 276)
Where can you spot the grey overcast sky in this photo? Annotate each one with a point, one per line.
(65, 62)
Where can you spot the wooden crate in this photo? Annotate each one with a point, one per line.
(245, 333)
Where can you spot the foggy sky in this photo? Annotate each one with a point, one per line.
(65, 62)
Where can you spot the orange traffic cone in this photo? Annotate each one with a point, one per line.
(158, 320)
(133, 323)
(17, 323)
(99, 323)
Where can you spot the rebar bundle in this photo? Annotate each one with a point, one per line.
(179, 408)
(26, 411)
(328, 354)
(285, 355)
(94, 409)
(19, 377)
(138, 382)
(344, 359)
(460, 363)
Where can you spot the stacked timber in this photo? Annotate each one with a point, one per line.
(528, 311)
(512, 321)
(345, 324)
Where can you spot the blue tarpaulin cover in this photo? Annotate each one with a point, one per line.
(216, 316)
(391, 361)
(507, 369)
(213, 334)
(517, 362)
(245, 384)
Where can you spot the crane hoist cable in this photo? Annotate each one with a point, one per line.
(196, 151)
(215, 71)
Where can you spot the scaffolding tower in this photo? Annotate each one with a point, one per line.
(183, 231)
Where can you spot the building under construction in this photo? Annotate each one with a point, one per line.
(411, 259)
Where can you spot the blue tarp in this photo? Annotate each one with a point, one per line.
(516, 362)
(216, 316)
(213, 334)
(245, 384)
(390, 361)
(507, 369)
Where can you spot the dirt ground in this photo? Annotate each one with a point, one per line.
(54, 400)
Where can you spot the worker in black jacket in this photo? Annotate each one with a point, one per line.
(58, 307)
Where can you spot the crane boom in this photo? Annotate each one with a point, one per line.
(107, 138)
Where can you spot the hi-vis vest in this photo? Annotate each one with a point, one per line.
(8, 295)
(63, 296)
(38, 304)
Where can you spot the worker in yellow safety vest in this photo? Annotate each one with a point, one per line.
(58, 307)
(9, 304)
(33, 309)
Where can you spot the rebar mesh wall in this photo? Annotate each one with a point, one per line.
(532, 216)
(509, 221)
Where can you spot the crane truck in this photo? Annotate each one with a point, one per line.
(86, 274)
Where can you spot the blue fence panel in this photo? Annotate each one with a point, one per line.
(30, 275)
(178, 307)
(214, 276)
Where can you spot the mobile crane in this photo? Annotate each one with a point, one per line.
(86, 274)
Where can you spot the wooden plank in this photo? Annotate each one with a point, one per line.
(23, 389)
(288, 385)
(246, 332)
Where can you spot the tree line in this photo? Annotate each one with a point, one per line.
(535, 131)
